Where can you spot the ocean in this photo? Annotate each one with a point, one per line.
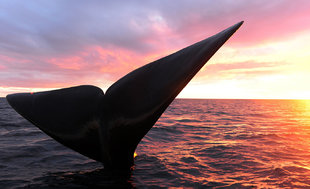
(195, 144)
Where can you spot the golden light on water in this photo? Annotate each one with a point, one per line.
(135, 155)
(306, 104)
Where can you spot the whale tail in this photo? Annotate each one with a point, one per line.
(108, 127)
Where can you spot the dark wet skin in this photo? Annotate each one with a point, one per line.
(108, 127)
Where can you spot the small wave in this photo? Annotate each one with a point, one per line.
(255, 136)
(188, 120)
(220, 113)
(191, 171)
(17, 183)
(296, 169)
(258, 115)
(97, 178)
(189, 159)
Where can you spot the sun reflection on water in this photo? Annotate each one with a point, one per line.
(262, 143)
(135, 155)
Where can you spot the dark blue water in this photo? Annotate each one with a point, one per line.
(195, 144)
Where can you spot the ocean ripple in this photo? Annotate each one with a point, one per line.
(195, 144)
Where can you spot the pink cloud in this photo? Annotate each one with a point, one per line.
(101, 41)
(264, 20)
(86, 67)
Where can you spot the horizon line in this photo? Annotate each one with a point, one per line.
(210, 98)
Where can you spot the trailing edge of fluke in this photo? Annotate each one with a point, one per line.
(108, 127)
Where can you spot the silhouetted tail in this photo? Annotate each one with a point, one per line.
(109, 127)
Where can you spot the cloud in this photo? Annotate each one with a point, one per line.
(264, 20)
(240, 71)
(57, 27)
(248, 65)
(96, 65)
(59, 43)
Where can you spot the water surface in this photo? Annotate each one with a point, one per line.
(195, 144)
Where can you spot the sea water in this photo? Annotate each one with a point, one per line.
(195, 144)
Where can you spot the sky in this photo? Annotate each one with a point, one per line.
(46, 44)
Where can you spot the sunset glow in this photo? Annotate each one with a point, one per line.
(98, 42)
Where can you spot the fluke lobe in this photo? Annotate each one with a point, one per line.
(108, 127)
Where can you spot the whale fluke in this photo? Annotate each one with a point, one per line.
(70, 116)
(108, 127)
